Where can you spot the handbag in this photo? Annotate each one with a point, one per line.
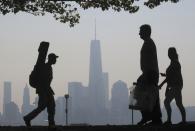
(143, 98)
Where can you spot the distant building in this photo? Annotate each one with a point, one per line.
(78, 103)
(95, 76)
(190, 113)
(60, 111)
(7, 95)
(12, 113)
(176, 115)
(120, 113)
(90, 105)
(26, 107)
(1, 117)
(98, 86)
(106, 89)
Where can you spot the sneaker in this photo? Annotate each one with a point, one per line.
(156, 122)
(27, 122)
(142, 122)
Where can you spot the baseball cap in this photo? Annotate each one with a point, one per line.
(52, 55)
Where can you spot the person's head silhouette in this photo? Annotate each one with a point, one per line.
(145, 32)
(172, 53)
(52, 58)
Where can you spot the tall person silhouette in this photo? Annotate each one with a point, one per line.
(150, 75)
(174, 82)
(45, 93)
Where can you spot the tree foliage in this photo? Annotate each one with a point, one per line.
(66, 11)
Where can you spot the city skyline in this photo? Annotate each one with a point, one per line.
(120, 42)
(87, 105)
(118, 113)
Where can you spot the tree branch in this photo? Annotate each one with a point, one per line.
(65, 11)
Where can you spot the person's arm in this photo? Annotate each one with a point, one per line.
(160, 86)
(163, 75)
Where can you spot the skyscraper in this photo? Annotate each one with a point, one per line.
(26, 107)
(7, 95)
(97, 84)
(106, 89)
(95, 74)
(89, 105)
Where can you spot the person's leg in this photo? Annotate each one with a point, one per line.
(146, 114)
(153, 78)
(149, 80)
(141, 82)
(51, 110)
(156, 113)
(145, 118)
(169, 97)
(167, 102)
(41, 106)
(178, 100)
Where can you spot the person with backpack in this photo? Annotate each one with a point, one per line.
(43, 76)
(174, 82)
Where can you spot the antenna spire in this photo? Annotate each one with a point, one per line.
(95, 28)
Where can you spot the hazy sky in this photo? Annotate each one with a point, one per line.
(20, 35)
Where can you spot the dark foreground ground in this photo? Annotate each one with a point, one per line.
(187, 127)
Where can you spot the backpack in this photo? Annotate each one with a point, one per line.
(33, 78)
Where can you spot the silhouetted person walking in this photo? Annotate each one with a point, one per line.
(45, 93)
(174, 86)
(150, 74)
